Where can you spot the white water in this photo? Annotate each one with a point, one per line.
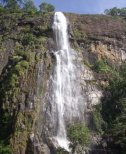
(66, 97)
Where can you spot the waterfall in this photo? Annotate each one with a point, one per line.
(65, 96)
(62, 74)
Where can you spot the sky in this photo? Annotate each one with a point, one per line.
(83, 6)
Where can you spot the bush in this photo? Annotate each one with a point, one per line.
(13, 80)
(98, 121)
(16, 59)
(24, 54)
(79, 134)
(24, 64)
(101, 67)
(114, 111)
(21, 67)
(61, 151)
(5, 149)
(29, 39)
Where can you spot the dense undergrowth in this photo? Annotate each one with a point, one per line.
(109, 115)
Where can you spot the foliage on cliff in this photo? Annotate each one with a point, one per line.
(78, 134)
(110, 120)
(23, 42)
(114, 110)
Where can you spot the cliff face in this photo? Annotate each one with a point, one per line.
(26, 64)
(102, 36)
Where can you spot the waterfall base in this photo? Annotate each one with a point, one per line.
(60, 142)
(63, 143)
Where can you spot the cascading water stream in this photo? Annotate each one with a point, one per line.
(65, 95)
(62, 73)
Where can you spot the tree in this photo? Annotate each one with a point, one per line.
(116, 11)
(107, 11)
(45, 7)
(123, 11)
(1, 8)
(29, 7)
(12, 5)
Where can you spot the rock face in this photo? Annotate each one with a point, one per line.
(102, 36)
(27, 63)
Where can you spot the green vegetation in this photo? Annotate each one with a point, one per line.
(79, 34)
(5, 121)
(61, 151)
(45, 7)
(98, 122)
(21, 67)
(101, 66)
(23, 42)
(114, 110)
(116, 11)
(29, 39)
(16, 67)
(12, 5)
(27, 6)
(109, 116)
(79, 134)
(5, 149)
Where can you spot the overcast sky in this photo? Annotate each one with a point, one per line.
(83, 6)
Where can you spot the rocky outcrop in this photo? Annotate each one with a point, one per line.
(100, 36)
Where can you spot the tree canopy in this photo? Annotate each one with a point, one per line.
(116, 11)
(27, 6)
(45, 7)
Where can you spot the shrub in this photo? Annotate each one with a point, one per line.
(24, 54)
(16, 59)
(61, 151)
(21, 67)
(13, 80)
(78, 34)
(79, 134)
(5, 149)
(24, 64)
(114, 111)
(98, 121)
(29, 39)
(101, 67)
